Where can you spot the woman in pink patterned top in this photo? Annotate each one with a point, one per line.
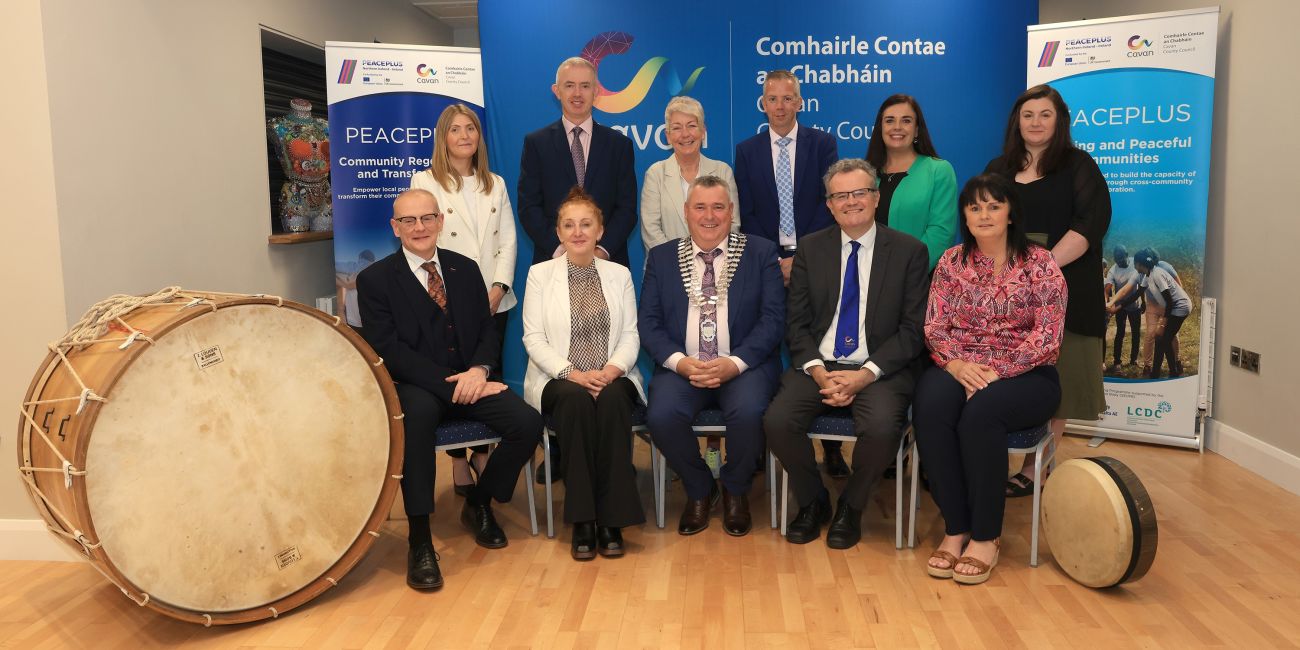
(994, 328)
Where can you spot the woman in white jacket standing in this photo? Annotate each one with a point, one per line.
(580, 333)
(477, 223)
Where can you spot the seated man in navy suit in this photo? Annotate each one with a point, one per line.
(425, 311)
(712, 316)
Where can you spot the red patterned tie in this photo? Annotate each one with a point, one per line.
(436, 289)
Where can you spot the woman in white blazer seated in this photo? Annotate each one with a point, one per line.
(663, 191)
(477, 223)
(580, 333)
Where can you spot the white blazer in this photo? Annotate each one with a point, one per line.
(489, 239)
(662, 219)
(547, 323)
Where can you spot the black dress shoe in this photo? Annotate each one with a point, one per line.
(422, 568)
(736, 519)
(557, 474)
(846, 527)
(695, 516)
(584, 540)
(835, 465)
(480, 521)
(807, 525)
(609, 541)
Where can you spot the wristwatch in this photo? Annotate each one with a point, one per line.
(487, 370)
(504, 287)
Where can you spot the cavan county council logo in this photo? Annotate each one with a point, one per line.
(624, 100)
(1136, 42)
(425, 71)
(345, 71)
(1049, 54)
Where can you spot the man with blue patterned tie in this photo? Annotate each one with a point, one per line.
(854, 323)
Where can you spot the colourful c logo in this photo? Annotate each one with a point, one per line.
(630, 96)
(425, 71)
(1136, 42)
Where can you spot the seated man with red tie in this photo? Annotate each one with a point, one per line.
(425, 311)
(855, 329)
(712, 307)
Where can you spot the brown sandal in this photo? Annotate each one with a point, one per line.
(985, 570)
(938, 572)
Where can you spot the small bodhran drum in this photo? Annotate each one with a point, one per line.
(220, 458)
(1099, 521)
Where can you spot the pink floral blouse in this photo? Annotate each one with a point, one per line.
(1013, 322)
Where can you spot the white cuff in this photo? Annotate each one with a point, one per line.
(740, 363)
(807, 367)
(671, 362)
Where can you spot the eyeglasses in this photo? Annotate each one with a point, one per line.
(840, 197)
(425, 219)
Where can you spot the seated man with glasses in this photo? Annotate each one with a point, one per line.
(425, 311)
(854, 322)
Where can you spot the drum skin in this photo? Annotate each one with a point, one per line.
(1099, 522)
(241, 464)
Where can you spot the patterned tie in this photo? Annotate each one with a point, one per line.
(785, 187)
(846, 331)
(709, 311)
(579, 162)
(436, 289)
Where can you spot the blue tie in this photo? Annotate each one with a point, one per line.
(846, 332)
(785, 186)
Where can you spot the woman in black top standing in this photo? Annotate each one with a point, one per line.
(1066, 206)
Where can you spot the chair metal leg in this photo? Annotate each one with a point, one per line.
(532, 500)
(771, 486)
(661, 489)
(785, 498)
(898, 493)
(1038, 495)
(550, 501)
(916, 492)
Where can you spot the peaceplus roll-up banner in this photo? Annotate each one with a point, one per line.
(1141, 95)
(384, 101)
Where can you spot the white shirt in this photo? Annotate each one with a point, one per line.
(417, 267)
(469, 193)
(827, 347)
(693, 315)
(785, 240)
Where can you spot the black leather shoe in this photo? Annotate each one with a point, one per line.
(736, 519)
(480, 521)
(695, 516)
(557, 474)
(422, 568)
(609, 541)
(807, 525)
(846, 527)
(835, 465)
(584, 540)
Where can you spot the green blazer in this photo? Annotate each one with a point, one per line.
(925, 205)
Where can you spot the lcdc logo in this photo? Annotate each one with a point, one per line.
(1158, 412)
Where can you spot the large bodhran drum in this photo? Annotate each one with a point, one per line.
(1099, 521)
(220, 458)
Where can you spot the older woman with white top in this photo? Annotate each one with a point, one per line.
(581, 335)
(663, 191)
(478, 223)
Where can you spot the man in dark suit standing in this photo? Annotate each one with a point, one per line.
(856, 333)
(779, 185)
(712, 307)
(426, 313)
(576, 151)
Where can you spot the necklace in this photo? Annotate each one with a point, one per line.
(693, 284)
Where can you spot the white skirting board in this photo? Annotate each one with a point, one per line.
(1277, 466)
(28, 539)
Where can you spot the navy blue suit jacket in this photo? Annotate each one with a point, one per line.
(397, 315)
(546, 175)
(760, 213)
(755, 307)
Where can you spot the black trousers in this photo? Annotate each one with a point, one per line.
(1134, 321)
(963, 443)
(1165, 348)
(879, 415)
(501, 318)
(518, 424)
(596, 449)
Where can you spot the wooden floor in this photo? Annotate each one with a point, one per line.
(1226, 575)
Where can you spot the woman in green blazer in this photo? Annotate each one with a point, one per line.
(918, 190)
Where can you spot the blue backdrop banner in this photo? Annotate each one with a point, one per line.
(961, 60)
